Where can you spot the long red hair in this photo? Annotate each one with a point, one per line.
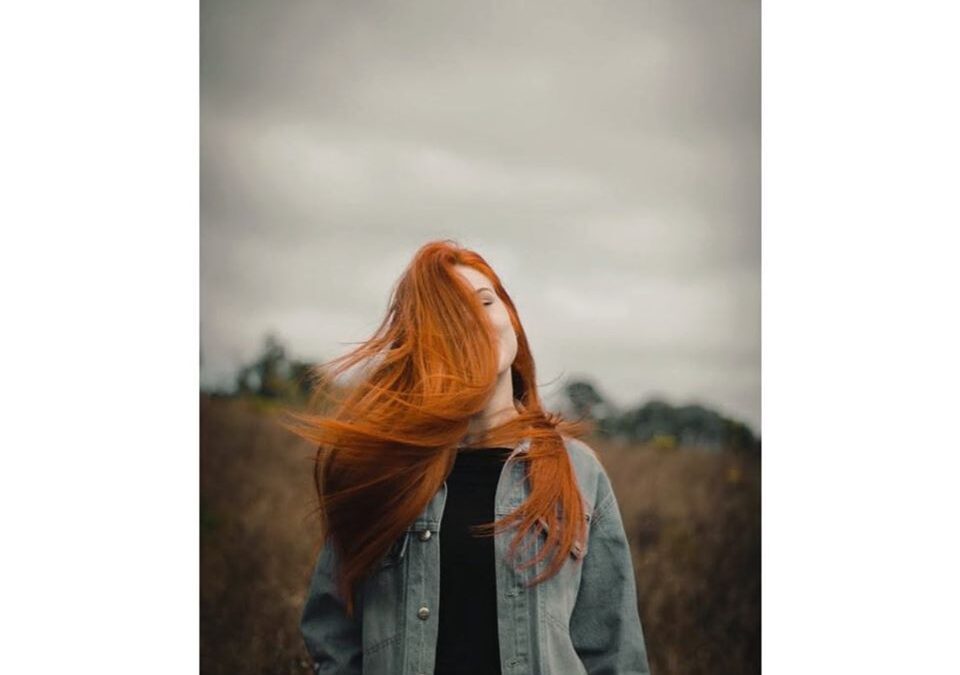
(387, 443)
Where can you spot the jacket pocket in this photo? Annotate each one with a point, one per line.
(580, 545)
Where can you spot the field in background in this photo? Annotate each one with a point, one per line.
(693, 519)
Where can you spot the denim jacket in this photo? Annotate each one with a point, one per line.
(582, 620)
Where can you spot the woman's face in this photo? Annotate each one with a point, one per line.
(497, 313)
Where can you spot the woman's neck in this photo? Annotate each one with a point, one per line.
(499, 410)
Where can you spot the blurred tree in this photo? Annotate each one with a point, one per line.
(692, 425)
(273, 375)
(584, 398)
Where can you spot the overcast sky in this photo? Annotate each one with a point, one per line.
(604, 157)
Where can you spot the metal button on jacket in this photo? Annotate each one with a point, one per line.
(423, 612)
(424, 535)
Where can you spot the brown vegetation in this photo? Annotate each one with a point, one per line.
(692, 517)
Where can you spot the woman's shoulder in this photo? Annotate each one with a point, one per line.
(580, 450)
(590, 472)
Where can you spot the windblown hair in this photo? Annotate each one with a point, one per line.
(391, 439)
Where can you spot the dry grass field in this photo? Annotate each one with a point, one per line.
(692, 517)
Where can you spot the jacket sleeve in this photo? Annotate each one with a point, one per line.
(605, 622)
(333, 640)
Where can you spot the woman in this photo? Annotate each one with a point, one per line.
(426, 465)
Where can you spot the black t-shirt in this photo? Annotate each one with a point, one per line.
(468, 640)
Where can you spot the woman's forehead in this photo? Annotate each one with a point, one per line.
(475, 277)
